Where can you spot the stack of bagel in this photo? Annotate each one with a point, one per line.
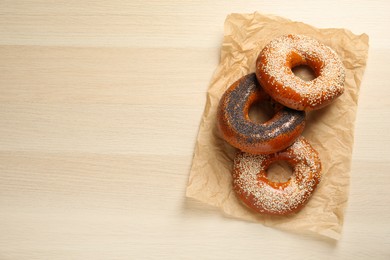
(279, 138)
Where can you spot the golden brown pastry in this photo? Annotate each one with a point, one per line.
(273, 70)
(252, 186)
(241, 132)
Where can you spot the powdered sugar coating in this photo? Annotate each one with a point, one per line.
(273, 70)
(252, 186)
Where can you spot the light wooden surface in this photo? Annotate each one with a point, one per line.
(100, 103)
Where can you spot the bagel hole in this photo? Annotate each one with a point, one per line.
(279, 172)
(304, 72)
(261, 112)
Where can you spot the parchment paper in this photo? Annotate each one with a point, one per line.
(329, 130)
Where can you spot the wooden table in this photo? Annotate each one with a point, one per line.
(100, 103)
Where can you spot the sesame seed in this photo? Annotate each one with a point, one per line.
(251, 184)
(274, 72)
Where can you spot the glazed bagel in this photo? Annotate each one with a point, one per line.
(241, 132)
(252, 186)
(273, 70)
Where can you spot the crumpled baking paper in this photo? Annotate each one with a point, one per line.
(330, 130)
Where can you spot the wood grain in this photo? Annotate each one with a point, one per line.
(100, 103)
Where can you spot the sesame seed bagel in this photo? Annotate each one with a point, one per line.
(273, 70)
(240, 131)
(252, 186)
